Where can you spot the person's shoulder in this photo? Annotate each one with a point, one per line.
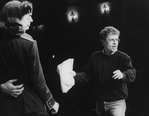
(27, 37)
(96, 53)
(123, 54)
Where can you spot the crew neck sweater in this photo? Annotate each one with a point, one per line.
(99, 70)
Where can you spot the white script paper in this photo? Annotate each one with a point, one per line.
(66, 79)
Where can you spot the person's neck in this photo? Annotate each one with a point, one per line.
(106, 52)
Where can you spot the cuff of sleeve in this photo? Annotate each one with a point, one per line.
(50, 102)
(124, 76)
(0, 87)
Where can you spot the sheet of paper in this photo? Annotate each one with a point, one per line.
(66, 79)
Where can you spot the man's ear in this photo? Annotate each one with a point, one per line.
(102, 42)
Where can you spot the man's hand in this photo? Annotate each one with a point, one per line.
(55, 108)
(10, 89)
(117, 74)
(73, 73)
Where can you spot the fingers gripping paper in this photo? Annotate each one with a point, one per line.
(66, 78)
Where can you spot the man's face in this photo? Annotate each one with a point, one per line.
(111, 43)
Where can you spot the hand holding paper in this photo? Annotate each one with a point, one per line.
(65, 69)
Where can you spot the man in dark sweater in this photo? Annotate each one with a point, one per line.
(110, 70)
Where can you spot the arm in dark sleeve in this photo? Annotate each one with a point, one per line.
(81, 77)
(130, 72)
(37, 77)
(84, 77)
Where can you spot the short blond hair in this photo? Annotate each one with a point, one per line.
(107, 31)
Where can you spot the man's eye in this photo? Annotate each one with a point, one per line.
(110, 39)
(113, 39)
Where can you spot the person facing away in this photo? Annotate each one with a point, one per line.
(109, 70)
(20, 67)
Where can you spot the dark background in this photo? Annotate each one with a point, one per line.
(63, 40)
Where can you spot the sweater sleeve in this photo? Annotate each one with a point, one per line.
(81, 77)
(84, 77)
(37, 77)
(129, 72)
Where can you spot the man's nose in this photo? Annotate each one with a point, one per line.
(114, 42)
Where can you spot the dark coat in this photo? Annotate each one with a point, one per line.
(19, 59)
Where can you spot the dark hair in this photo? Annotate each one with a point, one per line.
(15, 10)
(12, 11)
(107, 31)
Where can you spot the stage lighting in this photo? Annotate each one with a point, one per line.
(72, 14)
(104, 8)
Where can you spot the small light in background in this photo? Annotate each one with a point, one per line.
(104, 8)
(53, 56)
(72, 15)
